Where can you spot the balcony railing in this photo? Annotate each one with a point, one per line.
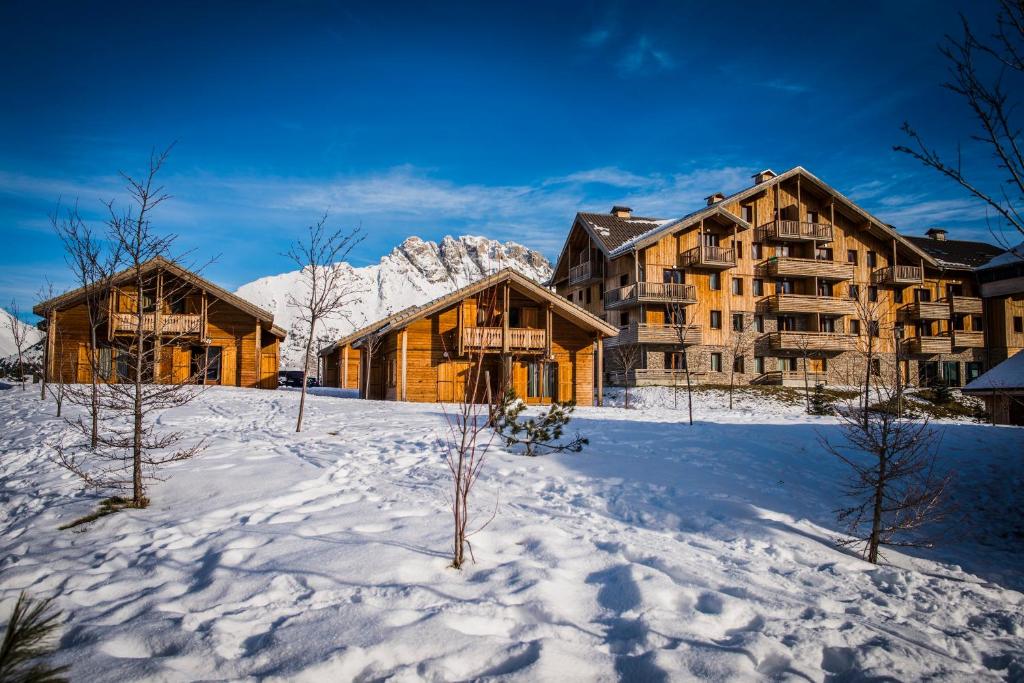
(707, 256)
(787, 266)
(588, 270)
(927, 310)
(964, 304)
(791, 378)
(653, 376)
(809, 303)
(792, 340)
(968, 339)
(794, 231)
(170, 323)
(930, 345)
(650, 292)
(489, 339)
(897, 275)
(646, 333)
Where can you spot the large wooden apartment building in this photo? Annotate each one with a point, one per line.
(194, 329)
(548, 348)
(791, 264)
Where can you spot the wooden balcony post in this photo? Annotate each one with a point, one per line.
(158, 320)
(547, 330)
(344, 367)
(202, 319)
(259, 352)
(504, 320)
(51, 340)
(600, 370)
(460, 328)
(405, 364)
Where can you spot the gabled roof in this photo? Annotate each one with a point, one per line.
(1006, 376)
(611, 231)
(957, 254)
(655, 234)
(405, 317)
(161, 263)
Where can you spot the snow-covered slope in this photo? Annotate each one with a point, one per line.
(415, 272)
(7, 347)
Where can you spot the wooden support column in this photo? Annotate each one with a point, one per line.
(547, 330)
(158, 328)
(51, 341)
(405, 364)
(600, 370)
(504, 320)
(344, 367)
(636, 270)
(202, 320)
(259, 351)
(799, 203)
(460, 328)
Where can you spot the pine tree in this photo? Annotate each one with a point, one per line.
(819, 402)
(544, 432)
(29, 637)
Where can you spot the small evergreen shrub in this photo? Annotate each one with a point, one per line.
(538, 435)
(819, 403)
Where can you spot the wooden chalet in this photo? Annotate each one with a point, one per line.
(549, 348)
(789, 261)
(197, 331)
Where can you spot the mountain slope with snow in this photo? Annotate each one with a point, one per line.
(415, 272)
(7, 347)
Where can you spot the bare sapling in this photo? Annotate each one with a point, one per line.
(327, 289)
(742, 342)
(370, 345)
(870, 311)
(684, 326)
(986, 74)
(469, 435)
(627, 358)
(894, 483)
(134, 368)
(19, 335)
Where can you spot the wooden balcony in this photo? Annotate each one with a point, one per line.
(787, 266)
(927, 310)
(489, 339)
(970, 305)
(654, 376)
(584, 272)
(171, 324)
(897, 275)
(794, 231)
(708, 257)
(813, 341)
(968, 339)
(929, 345)
(792, 378)
(650, 292)
(809, 303)
(644, 333)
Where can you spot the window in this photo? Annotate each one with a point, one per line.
(874, 329)
(515, 315)
(824, 288)
(737, 285)
(716, 362)
(782, 250)
(747, 213)
(482, 317)
(783, 286)
(922, 295)
(973, 371)
(758, 365)
(872, 259)
(715, 281)
(623, 279)
(758, 287)
(854, 291)
(589, 295)
(206, 364)
(897, 295)
(392, 371)
(716, 320)
(177, 305)
(951, 373)
(812, 216)
(579, 297)
(826, 325)
(125, 365)
(739, 249)
(876, 367)
(676, 315)
(976, 323)
(787, 364)
(959, 321)
(823, 253)
(755, 250)
(759, 323)
(737, 322)
(737, 364)
(624, 318)
(710, 239)
(851, 256)
(535, 373)
(855, 327)
(673, 275)
(148, 301)
(1018, 324)
(824, 364)
(104, 363)
(786, 323)
(872, 293)
(675, 360)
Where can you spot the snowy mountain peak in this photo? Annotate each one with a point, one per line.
(413, 273)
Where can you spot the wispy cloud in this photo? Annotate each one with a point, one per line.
(643, 56)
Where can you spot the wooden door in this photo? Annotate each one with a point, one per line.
(268, 371)
(530, 317)
(566, 388)
(82, 373)
(519, 373)
(451, 381)
(229, 366)
(182, 365)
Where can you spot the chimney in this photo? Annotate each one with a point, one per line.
(765, 175)
(937, 234)
(622, 211)
(714, 199)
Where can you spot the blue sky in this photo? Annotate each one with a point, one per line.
(445, 119)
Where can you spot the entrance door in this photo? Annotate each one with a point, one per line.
(951, 373)
(927, 373)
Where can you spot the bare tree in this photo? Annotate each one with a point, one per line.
(894, 483)
(742, 341)
(627, 359)
(130, 449)
(19, 335)
(984, 73)
(469, 436)
(869, 307)
(370, 345)
(327, 291)
(92, 263)
(684, 321)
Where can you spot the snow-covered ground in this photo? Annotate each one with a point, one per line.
(662, 551)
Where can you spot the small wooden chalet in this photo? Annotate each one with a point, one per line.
(196, 331)
(549, 348)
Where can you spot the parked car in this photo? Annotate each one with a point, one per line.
(293, 378)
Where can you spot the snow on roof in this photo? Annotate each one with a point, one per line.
(1008, 257)
(1007, 375)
